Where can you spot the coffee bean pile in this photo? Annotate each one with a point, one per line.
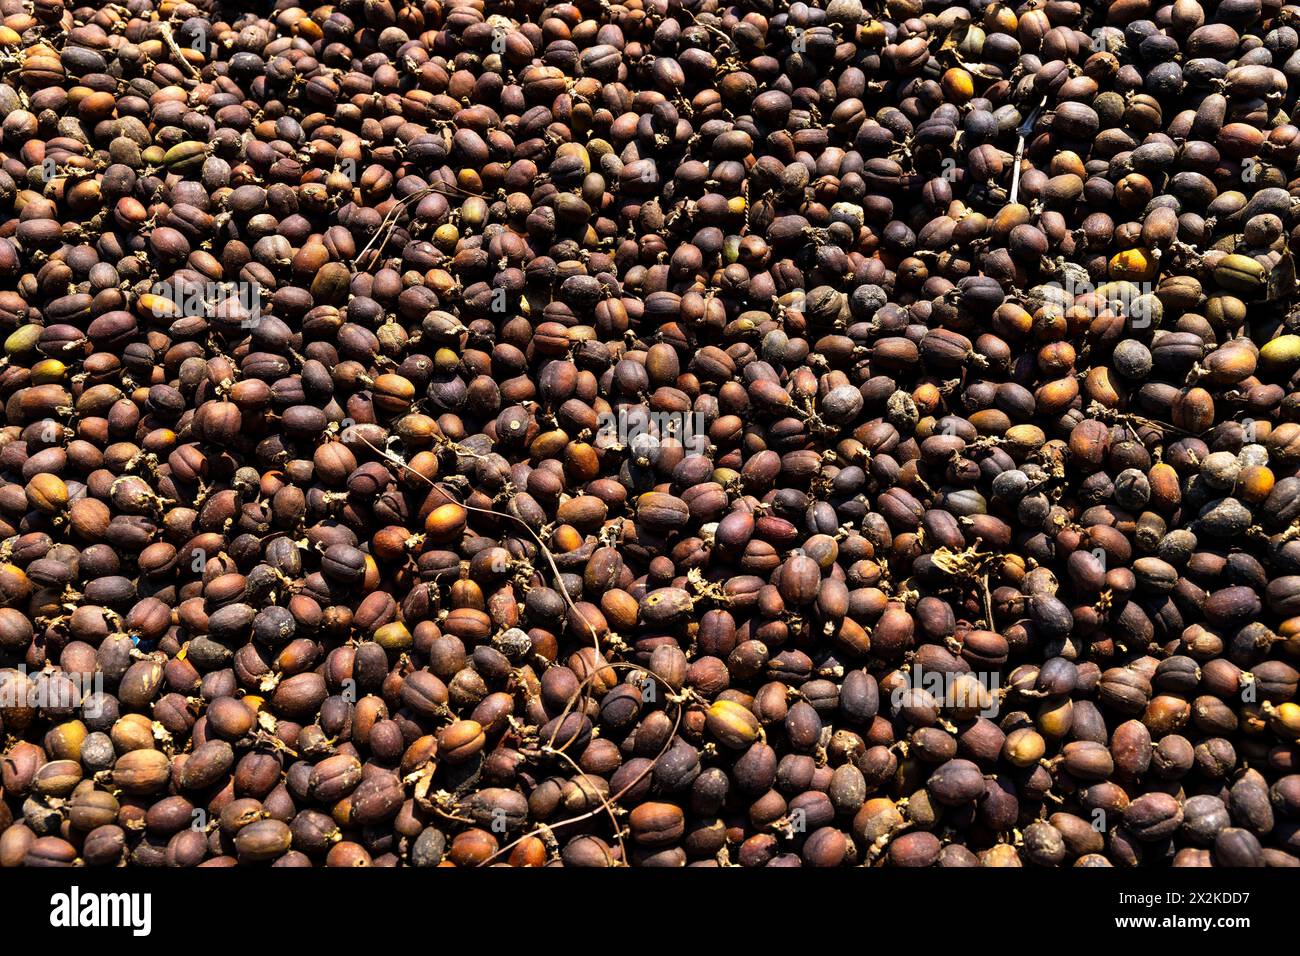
(656, 433)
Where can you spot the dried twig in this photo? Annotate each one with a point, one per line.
(170, 40)
(1026, 128)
